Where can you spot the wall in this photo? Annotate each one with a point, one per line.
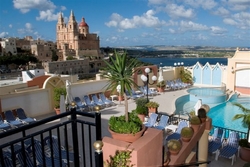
(34, 102)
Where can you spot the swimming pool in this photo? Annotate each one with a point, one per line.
(221, 113)
(208, 95)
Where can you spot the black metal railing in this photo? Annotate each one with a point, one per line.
(242, 135)
(34, 144)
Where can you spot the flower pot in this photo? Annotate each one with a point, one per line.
(142, 117)
(127, 137)
(160, 89)
(57, 110)
(185, 139)
(203, 120)
(174, 152)
(245, 154)
(152, 109)
(195, 127)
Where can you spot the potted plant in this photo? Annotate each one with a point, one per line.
(152, 106)
(186, 134)
(202, 114)
(121, 159)
(161, 86)
(195, 123)
(141, 109)
(57, 94)
(244, 143)
(174, 146)
(119, 72)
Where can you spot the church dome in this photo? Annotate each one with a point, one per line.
(83, 23)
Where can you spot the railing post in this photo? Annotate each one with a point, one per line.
(98, 125)
(98, 153)
(74, 136)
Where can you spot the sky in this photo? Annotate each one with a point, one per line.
(223, 23)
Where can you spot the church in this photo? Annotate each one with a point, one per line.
(75, 40)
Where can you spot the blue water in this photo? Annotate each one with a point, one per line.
(205, 92)
(221, 114)
(187, 61)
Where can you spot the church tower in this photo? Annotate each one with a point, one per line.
(83, 27)
(72, 37)
(60, 28)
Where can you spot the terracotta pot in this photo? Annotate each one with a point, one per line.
(160, 89)
(142, 117)
(57, 110)
(185, 139)
(127, 137)
(195, 127)
(245, 154)
(174, 152)
(152, 109)
(120, 98)
(203, 120)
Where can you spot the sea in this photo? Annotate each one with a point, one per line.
(166, 61)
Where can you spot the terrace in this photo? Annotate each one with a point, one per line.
(166, 101)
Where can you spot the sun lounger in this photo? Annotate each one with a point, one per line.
(229, 148)
(106, 100)
(4, 125)
(11, 119)
(89, 103)
(98, 101)
(80, 104)
(215, 143)
(162, 123)
(22, 116)
(151, 120)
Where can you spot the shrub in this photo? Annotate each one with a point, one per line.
(195, 120)
(120, 125)
(244, 143)
(57, 94)
(187, 132)
(121, 159)
(141, 106)
(174, 145)
(161, 84)
(152, 104)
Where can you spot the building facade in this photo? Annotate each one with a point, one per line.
(74, 39)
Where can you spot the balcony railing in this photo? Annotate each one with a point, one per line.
(40, 143)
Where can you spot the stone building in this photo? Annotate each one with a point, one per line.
(74, 39)
(8, 46)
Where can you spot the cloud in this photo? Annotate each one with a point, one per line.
(63, 8)
(3, 34)
(191, 26)
(47, 15)
(217, 30)
(26, 5)
(146, 20)
(175, 11)
(239, 5)
(221, 11)
(240, 20)
(205, 4)
(10, 26)
(27, 30)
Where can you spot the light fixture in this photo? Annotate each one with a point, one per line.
(146, 80)
(175, 64)
(232, 70)
(179, 63)
(182, 63)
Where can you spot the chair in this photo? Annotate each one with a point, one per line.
(4, 124)
(13, 121)
(216, 141)
(106, 100)
(22, 158)
(58, 149)
(176, 134)
(89, 103)
(98, 101)
(7, 159)
(48, 160)
(22, 116)
(151, 120)
(162, 123)
(80, 105)
(229, 148)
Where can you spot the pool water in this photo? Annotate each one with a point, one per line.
(221, 113)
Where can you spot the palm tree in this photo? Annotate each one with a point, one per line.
(119, 71)
(245, 118)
